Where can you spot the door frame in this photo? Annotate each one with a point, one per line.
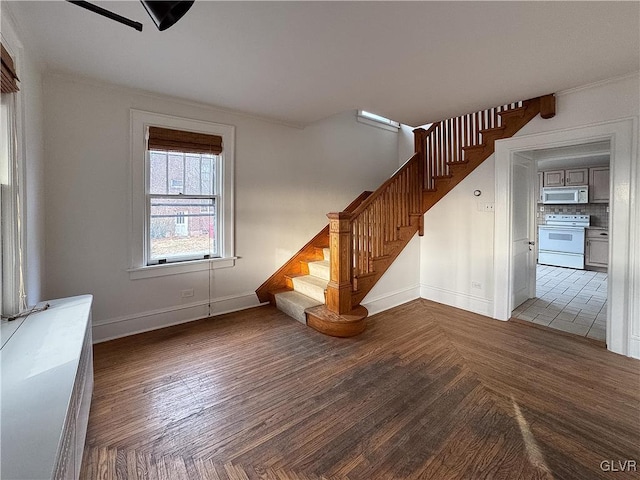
(531, 219)
(623, 335)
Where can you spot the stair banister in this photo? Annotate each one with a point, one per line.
(365, 238)
(357, 238)
(419, 142)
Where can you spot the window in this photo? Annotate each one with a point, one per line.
(182, 211)
(12, 291)
(376, 120)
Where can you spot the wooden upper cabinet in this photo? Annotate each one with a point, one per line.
(599, 185)
(576, 177)
(554, 178)
(566, 178)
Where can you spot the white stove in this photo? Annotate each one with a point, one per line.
(561, 240)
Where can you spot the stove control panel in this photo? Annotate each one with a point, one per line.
(568, 220)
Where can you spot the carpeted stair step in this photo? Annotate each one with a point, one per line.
(294, 304)
(310, 286)
(319, 269)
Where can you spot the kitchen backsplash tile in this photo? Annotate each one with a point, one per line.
(598, 212)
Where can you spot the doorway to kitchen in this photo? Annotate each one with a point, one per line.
(622, 324)
(571, 246)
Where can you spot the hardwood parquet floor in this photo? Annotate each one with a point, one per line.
(427, 392)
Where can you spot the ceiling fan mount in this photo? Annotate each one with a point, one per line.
(164, 14)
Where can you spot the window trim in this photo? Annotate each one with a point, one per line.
(138, 225)
(13, 297)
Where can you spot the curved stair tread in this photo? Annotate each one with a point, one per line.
(325, 321)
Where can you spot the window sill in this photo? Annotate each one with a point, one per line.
(178, 268)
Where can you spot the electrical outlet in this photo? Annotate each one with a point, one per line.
(489, 207)
(476, 285)
(187, 293)
(542, 208)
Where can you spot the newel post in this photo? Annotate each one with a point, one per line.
(419, 135)
(339, 288)
(418, 141)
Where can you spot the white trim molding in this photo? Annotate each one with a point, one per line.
(140, 121)
(191, 266)
(471, 303)
(390, 300)
(623, 305)
(165, 317)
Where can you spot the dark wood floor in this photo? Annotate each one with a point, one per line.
(427, 392)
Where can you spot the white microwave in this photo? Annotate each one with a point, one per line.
(565, 195)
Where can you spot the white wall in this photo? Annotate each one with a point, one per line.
(30, 127)
(287, 180)
(457, 248)
(406, 148)
(399, 284)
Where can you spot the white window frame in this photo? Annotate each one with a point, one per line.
(215, 196)
(13, 297)
(375, 120)
(139, 167)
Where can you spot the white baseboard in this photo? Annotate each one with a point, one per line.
(390, 300)
(165, 317)
(634, 346)
(464, 301)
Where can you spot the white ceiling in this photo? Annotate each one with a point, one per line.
(298, 62)
(573, 156)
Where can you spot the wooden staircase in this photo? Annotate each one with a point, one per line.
(366, 237)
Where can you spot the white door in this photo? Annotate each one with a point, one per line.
(524, 177)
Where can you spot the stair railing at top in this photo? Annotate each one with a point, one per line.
(444, 142)
(364, 236)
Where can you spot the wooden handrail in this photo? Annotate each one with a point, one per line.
(380, 218)
(444, 143)
(307, 253)
(364, 205)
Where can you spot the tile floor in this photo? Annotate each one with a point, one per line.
(573, 301)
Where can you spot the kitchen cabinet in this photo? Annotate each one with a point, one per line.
(599, 185)
(554, 178)
(576, 177)
(597, 248)
(566, 178)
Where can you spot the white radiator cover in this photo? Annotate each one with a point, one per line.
(47, 383)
